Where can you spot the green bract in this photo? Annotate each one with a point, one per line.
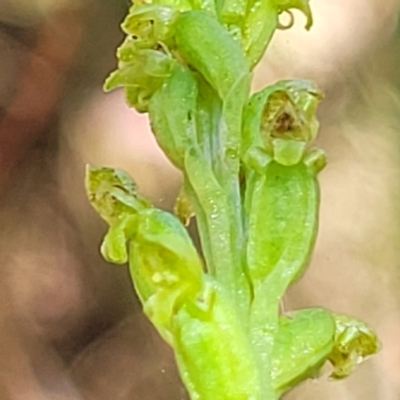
(172, 119)
(199, 339)
(250, 179)
(165, 266)
(289, 196)
(291, 359)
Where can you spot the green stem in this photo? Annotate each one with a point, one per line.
(215, 228)
(211, 136)
(264, 318)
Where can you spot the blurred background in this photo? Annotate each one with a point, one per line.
(70, 324)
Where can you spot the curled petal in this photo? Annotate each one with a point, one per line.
(289, 24)
(301, 5)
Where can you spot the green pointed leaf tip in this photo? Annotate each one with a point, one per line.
(354, 342)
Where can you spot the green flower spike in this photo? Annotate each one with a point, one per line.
(251, 181)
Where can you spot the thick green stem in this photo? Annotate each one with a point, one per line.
(216, 229)
(211, 136)
(264, 317)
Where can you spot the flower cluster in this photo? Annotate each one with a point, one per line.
(250, 179)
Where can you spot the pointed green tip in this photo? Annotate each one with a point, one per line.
(111, 82)
(310, 20)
